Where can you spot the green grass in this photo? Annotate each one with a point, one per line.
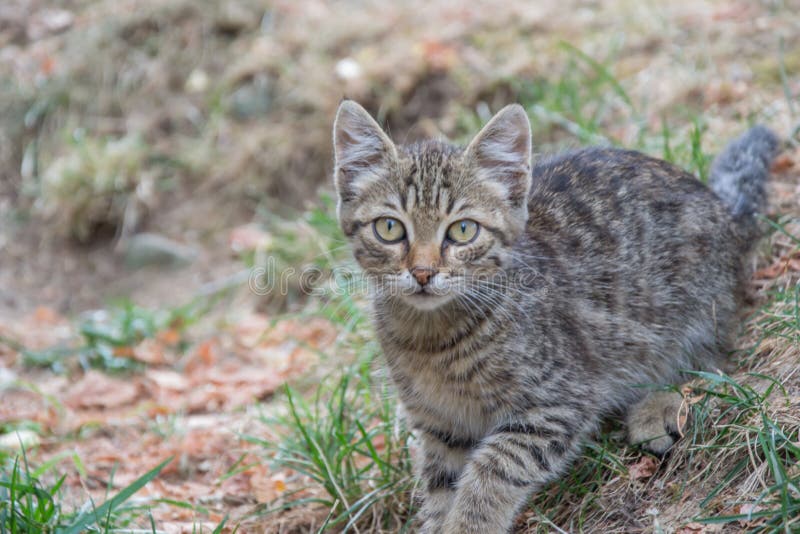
(347, 443)
(31, 504)
(345, 438)
(736, 419)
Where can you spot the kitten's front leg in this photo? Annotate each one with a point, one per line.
(442, 463)
(512, 462)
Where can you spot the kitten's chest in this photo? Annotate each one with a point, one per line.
(460, 395)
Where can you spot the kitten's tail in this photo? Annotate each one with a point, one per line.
(739, 174)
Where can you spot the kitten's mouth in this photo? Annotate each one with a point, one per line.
(427, 298)
(428, 292)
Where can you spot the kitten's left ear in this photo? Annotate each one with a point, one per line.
(501, 154)
(362, 150)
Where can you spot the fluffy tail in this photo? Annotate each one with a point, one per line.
(739, 174)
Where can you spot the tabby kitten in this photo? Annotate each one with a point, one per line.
(517, 305)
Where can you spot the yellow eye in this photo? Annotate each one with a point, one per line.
(389, 230)
(462, 231)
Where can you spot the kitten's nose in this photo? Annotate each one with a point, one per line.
(423, 274)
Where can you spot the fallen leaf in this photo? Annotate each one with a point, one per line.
(644, 468)
(231, 375)
(316, 332)
(267, 486)
(46, 315)
(168, 379)
(97, 390)
(691, 528)
(782, 163)
(205, 355)
(155, 410)
(123, 352)
(23, 405)
(690, 397)
(150, 351)
(205, 399)
(253, 329)
(170, 336)
(780, 266)
(379, 442)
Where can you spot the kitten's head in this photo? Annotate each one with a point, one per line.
(432, 222)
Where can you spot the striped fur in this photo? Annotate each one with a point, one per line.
(617, 270)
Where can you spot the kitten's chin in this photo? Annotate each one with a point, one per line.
(427, 301)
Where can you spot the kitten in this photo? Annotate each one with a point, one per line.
(517, 305)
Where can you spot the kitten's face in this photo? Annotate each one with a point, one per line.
(432, 223)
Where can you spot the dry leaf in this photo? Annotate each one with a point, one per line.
(644, 468)
(692, 528)
(267, 486)
(46, 315)
(23, 405)
(150, 351)
(123, 352)
(168, 379)
(207, 351)
(97, 390)
(782, 163)
(779, 267)
(169, 336)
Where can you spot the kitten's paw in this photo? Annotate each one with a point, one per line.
(656, 422)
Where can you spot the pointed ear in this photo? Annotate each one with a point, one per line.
(501, 154)
(362, 150)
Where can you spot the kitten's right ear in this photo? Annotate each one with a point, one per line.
(501, 153)
(362, 150)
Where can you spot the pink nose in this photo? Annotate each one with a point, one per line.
(423, 274)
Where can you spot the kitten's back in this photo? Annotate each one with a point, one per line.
(650, 258)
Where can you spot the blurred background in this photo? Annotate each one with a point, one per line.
(188, 119)
(154, 154)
